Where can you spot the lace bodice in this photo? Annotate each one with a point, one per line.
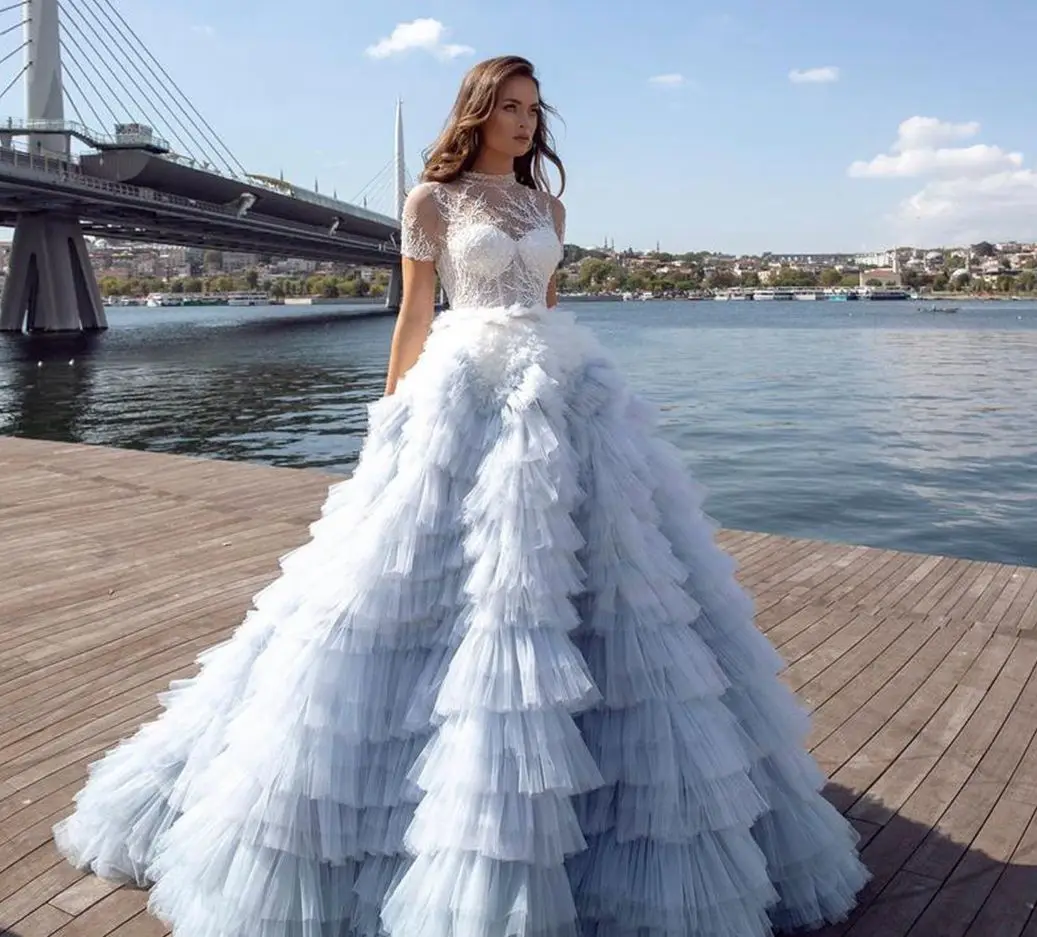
(495, 242)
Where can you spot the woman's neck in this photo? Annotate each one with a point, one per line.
(489, 163)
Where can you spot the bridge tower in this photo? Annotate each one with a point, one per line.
(50, 285)
(394, 295)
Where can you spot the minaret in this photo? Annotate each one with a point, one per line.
(399, 162)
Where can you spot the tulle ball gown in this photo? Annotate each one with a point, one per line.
(509, 688)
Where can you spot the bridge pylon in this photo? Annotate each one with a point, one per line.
(50, 285)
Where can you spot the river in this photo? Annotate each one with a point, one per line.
(874, 423)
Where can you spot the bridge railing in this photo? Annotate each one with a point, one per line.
(68, 171)
(84, 133)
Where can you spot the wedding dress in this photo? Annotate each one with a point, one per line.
(510, 687)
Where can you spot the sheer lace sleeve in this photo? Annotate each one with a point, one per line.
(558, 215)
(422, 224)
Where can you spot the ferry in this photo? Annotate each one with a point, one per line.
(735, 293)
(885, 293)
(809, 295)
(248, 299)
(155, 300)
(769, 294)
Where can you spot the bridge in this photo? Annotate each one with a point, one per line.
(63, 180)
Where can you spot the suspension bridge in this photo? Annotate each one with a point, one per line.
(159, 174)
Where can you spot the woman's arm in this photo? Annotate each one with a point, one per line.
(414, 319)
(422, 229)
(558, 216)
(552, 292)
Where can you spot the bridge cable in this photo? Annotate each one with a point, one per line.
(387, 187)
(72, 78)
(136, 46)
(136, 102)
(14, 53)
(372, 181)
(79, 29)
(72, 103)
(11, 29)
(104, 80)
(67, 55)
(11, 83)
(198, 150)
(382, 194)
(14, 6)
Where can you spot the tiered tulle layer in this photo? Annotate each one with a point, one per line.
(509, 687)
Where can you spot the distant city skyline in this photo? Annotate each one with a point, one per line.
(760, 128)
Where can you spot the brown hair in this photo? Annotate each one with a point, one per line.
(456, 149)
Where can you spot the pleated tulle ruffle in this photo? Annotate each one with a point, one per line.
(509, 688)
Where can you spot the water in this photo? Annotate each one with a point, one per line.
(868, 423)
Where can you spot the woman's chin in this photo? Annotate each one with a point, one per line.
(515, 150)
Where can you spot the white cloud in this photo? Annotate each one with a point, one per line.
(426, 35)
(971, 192)
(814, 76)
(965, 160)
(918, 151)
(670, 80)
(918, 132)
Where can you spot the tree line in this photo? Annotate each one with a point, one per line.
(329, 286)
(599, 274)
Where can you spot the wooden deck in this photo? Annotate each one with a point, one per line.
(119, 567)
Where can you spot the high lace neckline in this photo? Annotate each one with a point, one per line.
(491, 178)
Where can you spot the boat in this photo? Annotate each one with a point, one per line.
(808, 295)
(886, 294)
(735, 293)
(248, 299)
(843, 296)
(156, 300)
(772, 294)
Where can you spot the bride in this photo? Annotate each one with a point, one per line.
(510, 687)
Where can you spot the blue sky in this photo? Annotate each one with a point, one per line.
(725, 152)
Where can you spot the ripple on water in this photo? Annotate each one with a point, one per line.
(878, 425)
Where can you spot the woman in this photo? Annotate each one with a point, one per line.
(510, 686)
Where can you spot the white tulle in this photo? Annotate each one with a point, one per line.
(509, 688)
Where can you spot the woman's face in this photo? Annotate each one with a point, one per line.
(510, 127)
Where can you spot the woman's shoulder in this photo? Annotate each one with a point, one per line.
(553, 205)
(424, 192)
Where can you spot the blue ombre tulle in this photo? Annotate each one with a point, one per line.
(509, 687)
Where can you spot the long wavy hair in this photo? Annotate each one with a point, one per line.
(457, 147)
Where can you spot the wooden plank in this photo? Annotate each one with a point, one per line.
(1010, 903)
(108, 914)
(967, 888)
(922, 672)
(895, 911)
(40, 890)
(43, 922)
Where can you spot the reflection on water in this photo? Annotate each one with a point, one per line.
(288, 390)
(875, 424)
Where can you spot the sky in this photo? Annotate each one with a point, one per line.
(799, 126)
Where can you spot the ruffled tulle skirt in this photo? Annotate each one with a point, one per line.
(509, 687)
